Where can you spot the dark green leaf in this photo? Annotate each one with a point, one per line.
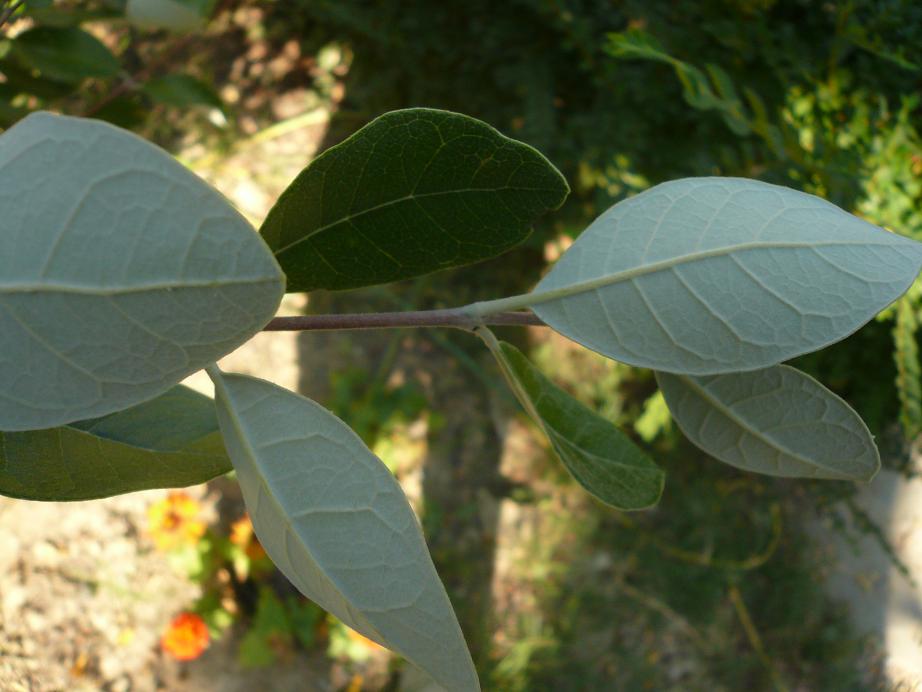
(413, 192)
(9, 113)
(126, 111)
(67, 54)
(598, 455)
(182, 91)
(60, 16)
(203, 8)
(19, 79)
(169, 442)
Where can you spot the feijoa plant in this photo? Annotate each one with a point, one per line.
(121, 273)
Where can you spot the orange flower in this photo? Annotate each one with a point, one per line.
(174, 521)
(241, 535)
(186, 637)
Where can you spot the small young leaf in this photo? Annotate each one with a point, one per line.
(334, 520)
(710, 275)
(182, 91)
(776, 421)
(711, 90)
(120, 272)
(169, 442)
(635, 43)
(413, 192)
(67, 54)
(599, 456)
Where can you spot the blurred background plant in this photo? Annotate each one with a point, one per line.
(720, 587)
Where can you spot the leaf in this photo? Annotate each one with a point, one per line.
(269, 631)
(728, 101)
(67, 54)
(128, 111)
(20, 81)
(182, 91)
(413, 192)
(120, 272)
(776, 421)
(654, 419)
(66, 16)
(334, 520)
(172, 15)
(169, 442)
(600, 457)
(709, 275)
(635, 43)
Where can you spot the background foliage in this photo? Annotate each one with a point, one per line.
(819, 96)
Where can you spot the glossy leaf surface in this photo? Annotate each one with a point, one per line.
(170, 442)
(120, 272)
(776, 421)
(413, 192)
(598, 455)
(334, 520)
(709, 275)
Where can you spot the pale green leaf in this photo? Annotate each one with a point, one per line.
(709, 275)
(600, 457)
(337, 524)
(412, 192)
(120, 272)
(776, 421)
(170, 442)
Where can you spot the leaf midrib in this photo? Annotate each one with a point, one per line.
(539, 297)
(120, 290)
(559, 440)
(398, 200)
(218, 378)
(741, 422)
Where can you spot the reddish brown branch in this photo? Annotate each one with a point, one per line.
(390, 320)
